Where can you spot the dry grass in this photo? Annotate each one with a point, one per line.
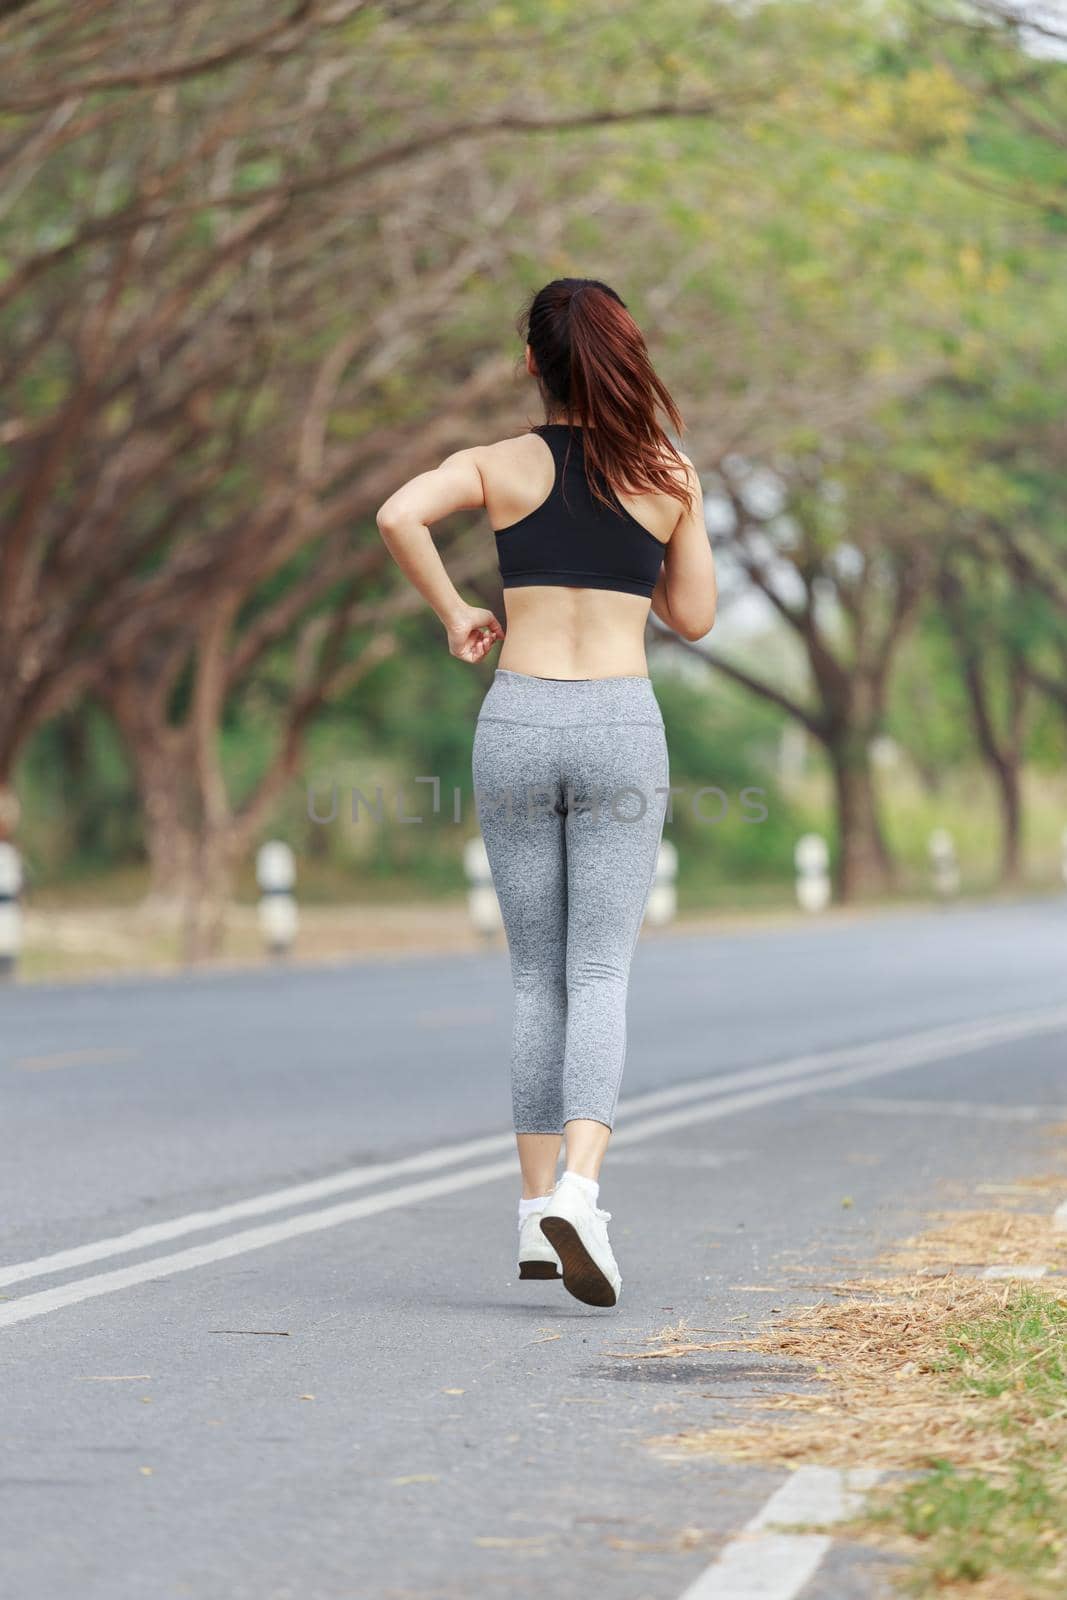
(959, 1239)
(87, 942)
(953, 1385)
(879, 1352)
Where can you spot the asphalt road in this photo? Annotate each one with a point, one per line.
(260, 1332)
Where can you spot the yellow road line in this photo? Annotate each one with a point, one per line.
(72, 1058)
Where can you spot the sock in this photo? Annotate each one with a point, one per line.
(588, 1187)
(528, 1207)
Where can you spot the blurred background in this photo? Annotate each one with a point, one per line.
(259, 263)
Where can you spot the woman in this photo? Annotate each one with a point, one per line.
(597, 518)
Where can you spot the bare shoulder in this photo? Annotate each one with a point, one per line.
(517, 473)
(516, 442)
(520, 453)
(686, 471)
(499, 454)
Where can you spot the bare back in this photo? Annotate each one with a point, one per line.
(553, 631)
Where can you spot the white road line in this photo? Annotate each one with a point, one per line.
(981, 1111)
(960, 1036)
(955, 1038)
(1012, 1272)
(237, 1244)
(871, 1061)
(256, 1206)
(761, 1564)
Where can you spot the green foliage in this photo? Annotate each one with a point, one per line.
(79, 804)
(1008, 1524)
(720, 739)
(847, 253)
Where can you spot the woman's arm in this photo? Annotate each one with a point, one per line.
(686, 592)
(404, 523)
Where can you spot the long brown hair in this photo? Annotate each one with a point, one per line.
(592, 361)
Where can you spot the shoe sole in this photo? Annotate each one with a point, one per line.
(581, 1276)
(538, 1269)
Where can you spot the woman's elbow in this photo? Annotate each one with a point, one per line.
(386, 518)
(692, 611)
(695, 626)
(395, 526)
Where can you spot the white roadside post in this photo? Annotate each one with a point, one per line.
(1064, 843)
(944, 867)
(482, 902)
(663, 896)
(276, 876)
(10, 909)
(812, 860)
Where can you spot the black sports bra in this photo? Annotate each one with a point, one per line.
(574, 540)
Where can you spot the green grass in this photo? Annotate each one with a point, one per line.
(1002, 1529)
(977, 1531)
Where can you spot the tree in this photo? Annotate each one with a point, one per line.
(223, 314)
(826, 546)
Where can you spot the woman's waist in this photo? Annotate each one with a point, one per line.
(568, 702)
(575, 639)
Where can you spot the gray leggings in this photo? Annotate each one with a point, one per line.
(570, 783)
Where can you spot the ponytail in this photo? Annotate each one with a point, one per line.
(592, 361)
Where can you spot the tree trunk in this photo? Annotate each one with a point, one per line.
(207, 897)
(168, 839)
(864, 865)
(160, 758)
(1009, 797)
(190, 854)
(1001, 747)
(9, 808)
(190, 860)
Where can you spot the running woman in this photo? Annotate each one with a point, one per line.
(598, 518)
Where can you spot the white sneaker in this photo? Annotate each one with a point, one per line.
(577, 1230)
(537, 1259)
